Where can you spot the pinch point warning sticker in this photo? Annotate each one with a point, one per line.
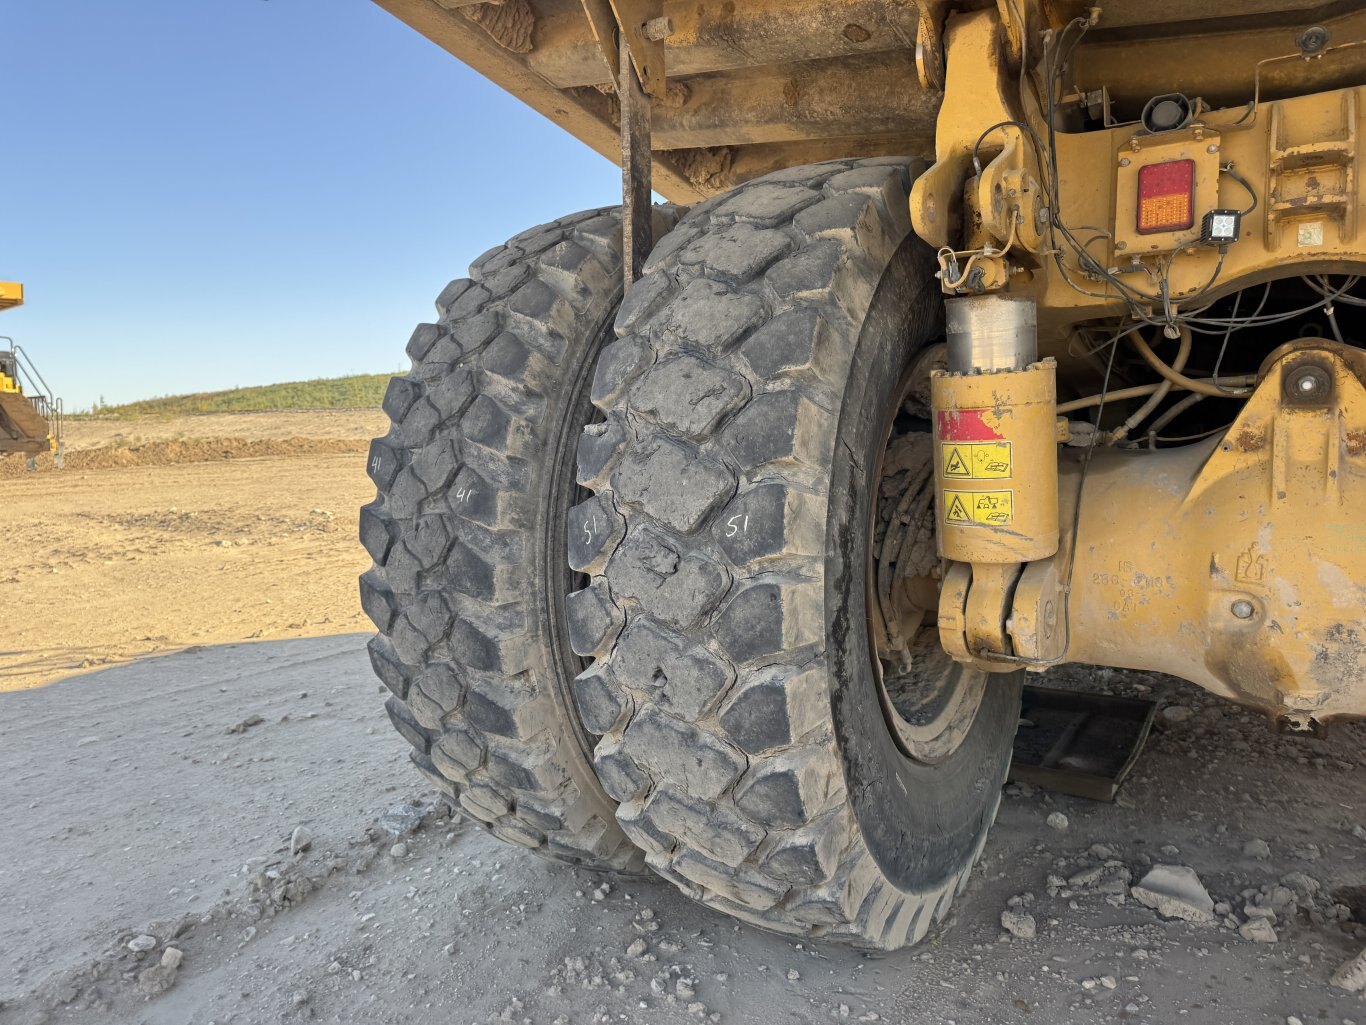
(979, 508)
(983, 460)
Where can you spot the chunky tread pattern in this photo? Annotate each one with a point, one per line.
(721, 398)
(462, 478)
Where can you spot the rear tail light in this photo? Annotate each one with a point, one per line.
(1166, 196)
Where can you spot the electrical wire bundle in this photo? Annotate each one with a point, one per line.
(1141, 304)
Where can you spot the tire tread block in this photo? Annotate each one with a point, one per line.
(458, 475)
(740, 798)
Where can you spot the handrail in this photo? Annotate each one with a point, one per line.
(28, 370)
(48, 406)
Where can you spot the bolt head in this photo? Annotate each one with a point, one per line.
(658, 29)
(1309, 384)
(1242, 608)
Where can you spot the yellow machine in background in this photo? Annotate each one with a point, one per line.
(30, 423)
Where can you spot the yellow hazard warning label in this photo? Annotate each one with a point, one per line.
(982, 460)
(979, 508)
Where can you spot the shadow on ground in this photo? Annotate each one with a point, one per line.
(160, 798)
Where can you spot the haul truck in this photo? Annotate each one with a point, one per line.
(30, 423)
(977, 338)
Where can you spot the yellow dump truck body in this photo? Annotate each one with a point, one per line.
(755, 86)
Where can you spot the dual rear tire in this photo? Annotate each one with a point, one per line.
(704, 692)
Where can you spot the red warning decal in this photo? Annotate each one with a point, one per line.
(965, 425)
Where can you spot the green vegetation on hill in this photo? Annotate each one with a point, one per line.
(358, 392)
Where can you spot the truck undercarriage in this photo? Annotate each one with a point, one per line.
(865, 435)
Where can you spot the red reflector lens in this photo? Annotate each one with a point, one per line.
(1166, 196)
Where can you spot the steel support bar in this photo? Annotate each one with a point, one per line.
(636, 190)
(603, 24)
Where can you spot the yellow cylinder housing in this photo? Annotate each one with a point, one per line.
(996, 464)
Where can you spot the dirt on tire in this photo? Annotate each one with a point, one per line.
(743, 405)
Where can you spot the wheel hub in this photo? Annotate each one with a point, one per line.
(928, 701)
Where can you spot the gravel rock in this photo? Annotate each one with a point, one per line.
(1258, 930)
(142, 944)
(1258, 849)
(1281, 898)
(1057, 820)
(1175, 891)
(399, 850)
(1176, 713)
(1305, 887)
(637, 948)
(171, 957)
(404, 819)
(1351, 975)
(1019, 924)
(300, 840)
(156, 980)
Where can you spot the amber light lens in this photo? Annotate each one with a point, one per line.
(1166, 196)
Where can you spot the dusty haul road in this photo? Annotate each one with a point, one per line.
(152, 806)
(195, 530)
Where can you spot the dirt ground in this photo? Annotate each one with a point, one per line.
(197, 530)
(153, 804)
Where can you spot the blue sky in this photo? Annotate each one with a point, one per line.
(206, 195)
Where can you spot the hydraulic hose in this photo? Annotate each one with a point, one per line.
(1176, 410)
(1142, 413)
(1181, 380)
(1136, 392)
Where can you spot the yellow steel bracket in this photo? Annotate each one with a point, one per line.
(953, 611)
(929, 43)
(1316, 181)
(1014, 28)
(974, 99)
(1037, 623)
(1004, 212)
(1010, 199)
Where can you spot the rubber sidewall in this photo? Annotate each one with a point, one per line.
(919, 821)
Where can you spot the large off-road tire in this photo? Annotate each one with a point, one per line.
(475, 479)
(747, 405)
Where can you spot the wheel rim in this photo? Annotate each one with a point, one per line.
(929, 702)
(566, 492)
